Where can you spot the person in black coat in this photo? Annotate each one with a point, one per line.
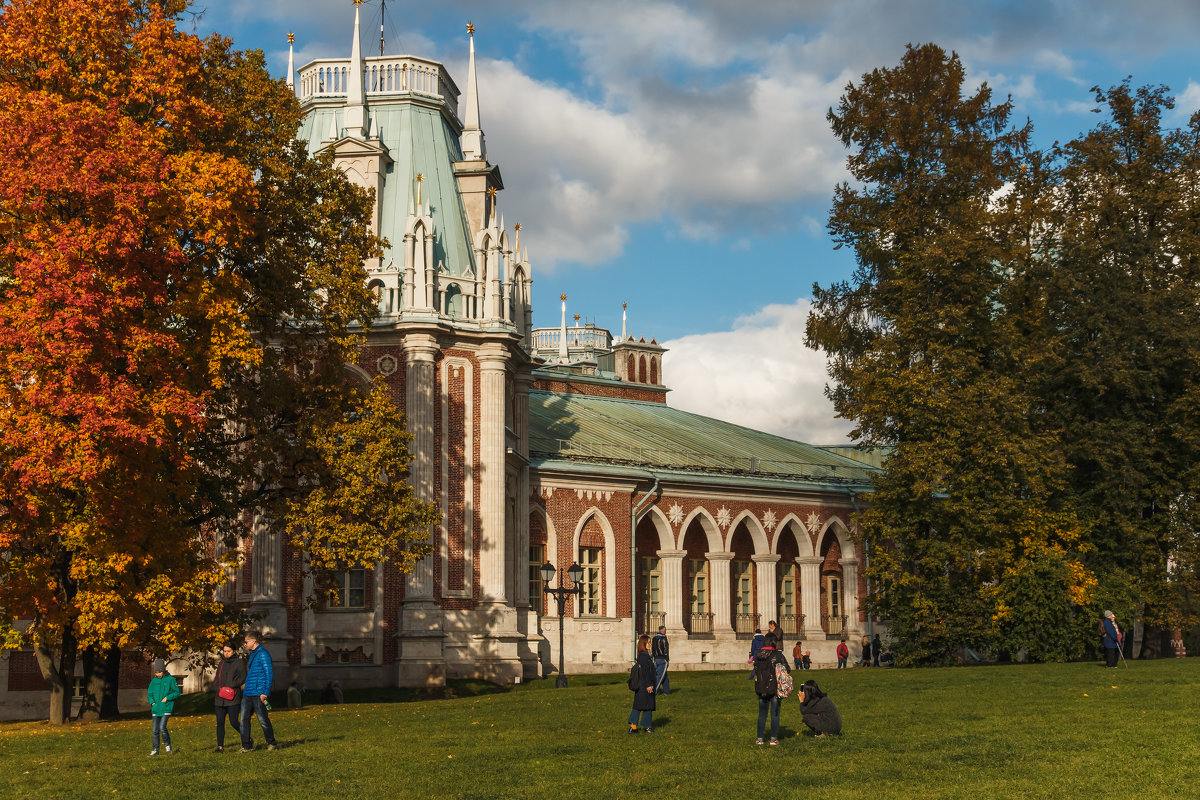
(231, 676)
(643, 698)
(817, 711)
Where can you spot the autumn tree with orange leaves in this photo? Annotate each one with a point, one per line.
(180, 287)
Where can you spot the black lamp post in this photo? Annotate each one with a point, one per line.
(575, 573)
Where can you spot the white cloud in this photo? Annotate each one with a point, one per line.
(759, 375)
(1187, 102)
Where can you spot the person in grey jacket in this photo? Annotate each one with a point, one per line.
(817, 711)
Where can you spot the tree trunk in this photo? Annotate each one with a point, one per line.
(101, 672)
(60, 674)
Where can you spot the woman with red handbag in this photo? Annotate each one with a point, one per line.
(231, 676)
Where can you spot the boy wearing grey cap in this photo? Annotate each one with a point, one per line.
(161, 695)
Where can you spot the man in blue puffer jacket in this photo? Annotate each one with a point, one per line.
(259, 676)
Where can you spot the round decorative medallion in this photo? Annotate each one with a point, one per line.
(387, 365)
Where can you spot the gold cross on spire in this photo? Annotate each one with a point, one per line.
(291, 38)
(562, 296)
(470, 29)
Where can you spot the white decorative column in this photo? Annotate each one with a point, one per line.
(420, 351)
(850, 594)
(810, 595)
(496, 648)
(267, 570)
(719, 593)
(670, 565)
(493, 361)
(764, 575)
(422, 661)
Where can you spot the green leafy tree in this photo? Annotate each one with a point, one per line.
(926, 346)
(1123, 307)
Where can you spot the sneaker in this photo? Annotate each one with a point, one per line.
(153, 752)
(270, 747)
(649, 730)
(774, 742)
(168, 748)
(220, 749)
(758, 741)
(633, 728)
(249, 749)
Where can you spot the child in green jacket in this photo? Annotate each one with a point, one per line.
(161, 695)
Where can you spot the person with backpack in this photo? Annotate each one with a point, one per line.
(772, 683)
(642, 676)
(817, 711)
(843, 653)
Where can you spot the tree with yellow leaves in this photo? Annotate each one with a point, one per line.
(180, 288)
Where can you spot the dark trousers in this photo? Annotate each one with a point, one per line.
(254, 704)
(232, 713)
(1110, 656)
(769, 706)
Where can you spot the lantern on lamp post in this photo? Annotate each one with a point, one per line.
(575, 575)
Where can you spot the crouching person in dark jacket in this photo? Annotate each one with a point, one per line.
(818, 711)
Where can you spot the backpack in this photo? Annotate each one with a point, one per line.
(1100, 629)
(635, 678)
(783, 681)
(765, 682)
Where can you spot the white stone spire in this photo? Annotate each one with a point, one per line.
(356, 108)
(291, 75)
(562, 333)
(472, 136)
(623, 334)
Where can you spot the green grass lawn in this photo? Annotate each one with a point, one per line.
(1062, 731)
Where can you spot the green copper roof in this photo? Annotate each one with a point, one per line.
(421, 141)
(655, 437)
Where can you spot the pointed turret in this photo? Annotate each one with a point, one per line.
(472, 136)
(291, 75)
(562, 333)
(356, 107)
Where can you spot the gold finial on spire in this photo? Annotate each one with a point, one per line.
(358, 2)
(470, 29)
(491, 191)
(624, 306)
(576, 319)
(517, 228)
(562, 296)
(420, 178)
(291, 38)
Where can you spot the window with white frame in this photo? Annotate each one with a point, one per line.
(590, 601)
(651, 578)
(833, 590)
(742, 574)
(786, 586)
(349, 589)
(537, 594)
(698, 585)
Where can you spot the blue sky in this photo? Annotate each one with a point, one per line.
(676, 156)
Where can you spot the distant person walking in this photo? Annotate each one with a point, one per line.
(660, 651)
(864, 658)
(756, 644)
(260, 675)
(798, 656)
(876, 649)
(643, 698)
(161, 696)
(817, 711)
(843, 653)
(766, 686)
(231, 676)
(1112, 639)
